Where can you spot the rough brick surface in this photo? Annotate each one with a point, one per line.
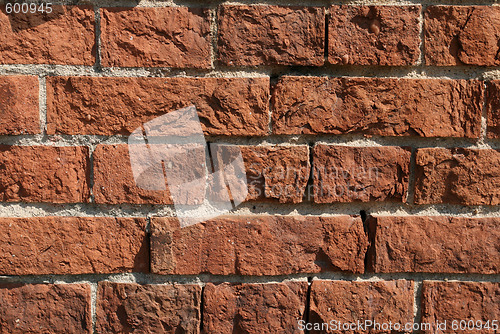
(45, 308)
(19, 105)
(271, 35)
(254, 308)
(374, 35)
(373, 106)
(279, 172)
(72, 245)
(448, 301)
(159, 37)
(459, 175)
(258, 245)
(346, 174)
(435, 244)
(457, 35)
(133, 308)
(114, 181)
(348, 302)
(44, 174)
(66, 36)
(107, 106)
(493, 109)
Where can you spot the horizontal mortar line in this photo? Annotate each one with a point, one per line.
(356, 140)
(250, 209)
(142, 278)
(334, 71)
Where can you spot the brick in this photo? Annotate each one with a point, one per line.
(378, 106)
(457, 35)
(19, 105)
(435, 244)
(254, 308)
(109, 105)
(44, 174)
(374, 35)
(45, 308)
(271, 35)
(66, 36)
(347, 174)
(72, 245)
(114, 181)
(258, 245)
(349, 302)
(156, 37)
(457, 176)
(277, 172)
(131, 308)
(449, 301)
(493, 109)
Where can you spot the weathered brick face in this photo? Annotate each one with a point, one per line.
(250, 167)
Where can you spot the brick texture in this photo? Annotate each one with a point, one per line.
(276, 173)
(493, 109)
(156, 37)
(460, 176)
(348, 302)
(72, 245)
(374, 35)
(44, 174)
(435, 244)
(279, 172)
(374, 106)
(254, 308)
(260, 245)
(132, 308)
(19, 105)
(226, 106)
(457, 35)
(271, 35)
(347, 174)
(449, 301)
(45, 308)
(114, 181)
(66, 36)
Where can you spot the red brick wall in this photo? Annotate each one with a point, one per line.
(370, 138)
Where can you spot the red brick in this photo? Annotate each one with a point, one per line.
(66, 36)
(19, 105)
(254, 308)
(277, 172)
(459, 176)
(493, 108)
(72, 245)
(44, 174)
(109, 105)
(347, 174)
(271, 35)
(349, 302)
(435, 244)
(378, 106)
(45, 308)
(469, 301)
(374, 35)
(156, 37)
(457, 35)
(132, 308)
(258, 245)
(114, 181)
